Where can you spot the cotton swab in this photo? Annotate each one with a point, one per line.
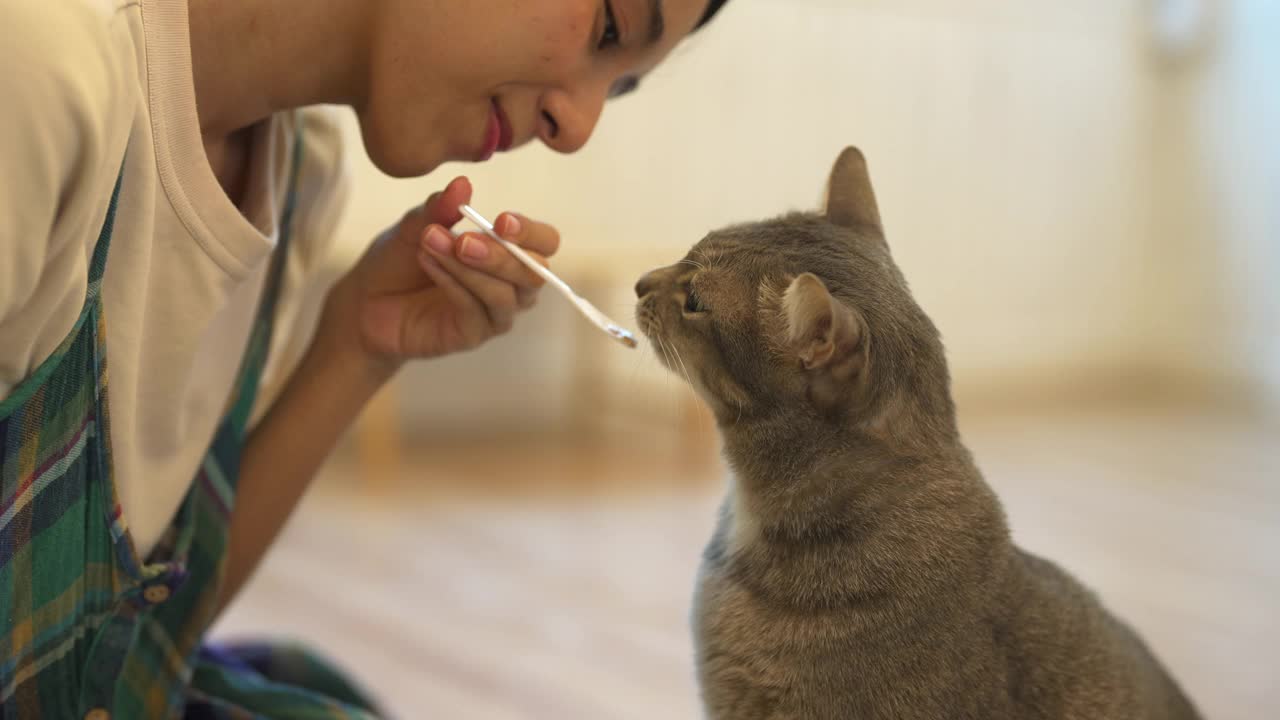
(602, 321)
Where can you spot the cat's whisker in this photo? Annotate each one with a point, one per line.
(694, 263)
(707, 263)
(666, 375)
(666, 353)
(635, 372)
(683, 368)
(635, 369)
(692, 392)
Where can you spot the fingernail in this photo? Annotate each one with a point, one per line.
(474, 249)
(513, 225)
(439, 240)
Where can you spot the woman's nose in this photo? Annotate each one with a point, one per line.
(569, 119)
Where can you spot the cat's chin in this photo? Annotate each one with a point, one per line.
(674, 362)
(649, 330)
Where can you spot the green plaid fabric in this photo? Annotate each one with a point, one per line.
(86, 628)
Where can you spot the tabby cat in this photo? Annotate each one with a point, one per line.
(862, 568)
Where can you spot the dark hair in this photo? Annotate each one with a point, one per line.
(712, 8)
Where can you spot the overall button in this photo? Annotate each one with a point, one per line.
(155, 595)
(97, 714)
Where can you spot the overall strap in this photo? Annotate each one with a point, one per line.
(255, 356)
(98, 266)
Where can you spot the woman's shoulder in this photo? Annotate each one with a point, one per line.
(82, 46)
(70, 88)
(69, 94)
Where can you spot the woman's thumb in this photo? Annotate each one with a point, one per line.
(393, 261)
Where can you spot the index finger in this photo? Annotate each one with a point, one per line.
(483, 253)
(442, 207)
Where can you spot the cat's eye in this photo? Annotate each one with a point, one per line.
(693, 304)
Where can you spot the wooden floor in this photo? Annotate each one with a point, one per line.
(505, 582)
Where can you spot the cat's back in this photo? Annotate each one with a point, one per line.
(1070, 657)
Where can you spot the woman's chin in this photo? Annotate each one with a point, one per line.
(396, 157)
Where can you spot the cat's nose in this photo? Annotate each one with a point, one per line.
(645, 285)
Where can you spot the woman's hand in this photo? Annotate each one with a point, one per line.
(418, 292)
(404, 299)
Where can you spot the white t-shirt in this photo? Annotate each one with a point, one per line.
(83, 80)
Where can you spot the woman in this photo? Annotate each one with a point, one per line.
(165, 198)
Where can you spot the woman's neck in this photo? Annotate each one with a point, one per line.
(251, 59)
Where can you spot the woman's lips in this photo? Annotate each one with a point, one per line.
(492, 135)
(498, 136)
(506, 135)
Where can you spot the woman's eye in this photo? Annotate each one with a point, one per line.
(609, 37)
(692, 304)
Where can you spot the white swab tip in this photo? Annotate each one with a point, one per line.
(622, 335)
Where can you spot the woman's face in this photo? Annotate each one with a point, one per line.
(457, 80)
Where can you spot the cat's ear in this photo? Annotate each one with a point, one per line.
(850, 200)
(822, 331)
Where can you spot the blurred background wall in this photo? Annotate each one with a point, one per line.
(1082, 194)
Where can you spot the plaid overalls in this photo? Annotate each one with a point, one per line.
(87, 628)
